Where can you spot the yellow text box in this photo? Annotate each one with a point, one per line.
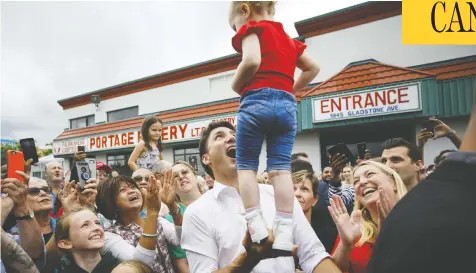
(438, 22)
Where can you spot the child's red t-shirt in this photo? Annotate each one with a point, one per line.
(279, 54)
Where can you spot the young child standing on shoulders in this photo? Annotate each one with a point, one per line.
(265, 81)
(150, 147)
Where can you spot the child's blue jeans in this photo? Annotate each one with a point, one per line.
(269, 114)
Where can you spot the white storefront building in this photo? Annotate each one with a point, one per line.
(370, 88)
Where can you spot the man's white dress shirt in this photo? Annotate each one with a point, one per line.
(214, 227)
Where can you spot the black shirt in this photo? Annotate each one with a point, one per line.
(106, 265)
(433, 228)
(321, 220)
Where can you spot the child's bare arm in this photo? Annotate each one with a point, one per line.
(135, 154)
(250, 62)
(309, 69)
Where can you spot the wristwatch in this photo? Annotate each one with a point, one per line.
(29, 216)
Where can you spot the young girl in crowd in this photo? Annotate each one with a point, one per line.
(265, 81)
(79, 234)
(150, 147)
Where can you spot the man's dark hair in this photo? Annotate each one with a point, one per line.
(413, 151)
(440, 158)
(203, 145)
(300, 165)
(297, 155)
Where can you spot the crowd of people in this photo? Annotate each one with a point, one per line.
(386, 213)
(162, 219)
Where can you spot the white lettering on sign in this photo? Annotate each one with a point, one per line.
(386, 101)
(126, 139)
(68, 146)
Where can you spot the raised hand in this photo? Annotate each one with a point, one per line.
(441, 129)
(338, 162)
(69, 196)
(18, 192)
(423, 137)
(254, 253)
(87, 196)
(152, 194)
(168, 189)
(384, 206)
(347, 226)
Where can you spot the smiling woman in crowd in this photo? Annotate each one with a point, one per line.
(305, 190)
(346, 176)
(79, 235)
(187, 189)
(377, 189)
(40, 202)
(132, 237)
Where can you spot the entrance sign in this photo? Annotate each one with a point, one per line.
(362, 104)
(129, 138)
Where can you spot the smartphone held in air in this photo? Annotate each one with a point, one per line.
(342, 149)
(15, 162)
(81, 149)
(430, 125)
(29, 149)
(85, 169)
(361, 148)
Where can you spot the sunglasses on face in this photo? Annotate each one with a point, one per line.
(36, 191)
(102, 174)
(140, 178)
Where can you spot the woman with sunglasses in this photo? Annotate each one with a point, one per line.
(40, 202)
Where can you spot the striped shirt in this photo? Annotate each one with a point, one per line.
(345, 192)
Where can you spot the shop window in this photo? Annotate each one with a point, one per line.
(190, 155)
(123, 114)
(81, 122)
(118, 162)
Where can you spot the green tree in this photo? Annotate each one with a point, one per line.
(6, 148)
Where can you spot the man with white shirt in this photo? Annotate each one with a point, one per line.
(214, 226)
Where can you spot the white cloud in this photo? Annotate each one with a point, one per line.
(54, 50)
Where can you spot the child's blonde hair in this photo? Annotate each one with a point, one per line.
(255, 6)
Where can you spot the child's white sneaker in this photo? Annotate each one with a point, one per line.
(283, 234)
(256, 226)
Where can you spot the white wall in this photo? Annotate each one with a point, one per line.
(102, 157)
(305, 142)
(168, 154)
(434, 147)
(183, 94)
(310, 144)
(380, 40)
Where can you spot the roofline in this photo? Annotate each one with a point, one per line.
(152, 76)
(216, 61)
(329, 14)
(332, 21)
(362, 62)
(348, 17)
(445, 62)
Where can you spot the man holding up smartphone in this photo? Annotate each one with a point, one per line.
(435, 129)
(329, 185)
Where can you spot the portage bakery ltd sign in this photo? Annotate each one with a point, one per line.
(129, 138)
(361, 104)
